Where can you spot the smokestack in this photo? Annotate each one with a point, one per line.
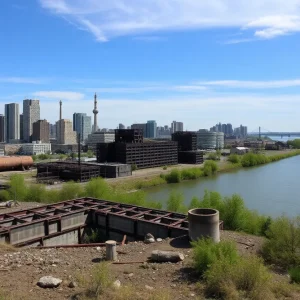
(60, 110)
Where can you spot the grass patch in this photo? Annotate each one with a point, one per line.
(206, 252)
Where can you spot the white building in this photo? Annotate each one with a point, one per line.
(36, 148)
(239, 150)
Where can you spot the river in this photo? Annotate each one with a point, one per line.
(272, 189)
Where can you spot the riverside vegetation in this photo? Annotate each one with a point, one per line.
(211, 167)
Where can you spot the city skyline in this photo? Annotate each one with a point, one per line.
(211, 66)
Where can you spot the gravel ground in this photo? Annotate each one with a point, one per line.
(20, 269)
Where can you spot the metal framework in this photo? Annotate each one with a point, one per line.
(42, 225)
(66, 171)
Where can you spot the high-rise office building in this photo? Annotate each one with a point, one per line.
(229, 129)
(52, 131)
(31, 114)
(21, 127)
(2, 122)
(82, 124)
(176, 126)
(12, 122)
(40, 131)
(65, 133)
(151, 129)
(122, 126)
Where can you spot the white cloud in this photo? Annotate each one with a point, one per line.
(106, 19)
(252, 84)
(72, 96)
(21, 80)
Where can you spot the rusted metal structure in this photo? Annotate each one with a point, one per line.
(67, 171)
(8, 163)
(66, 222)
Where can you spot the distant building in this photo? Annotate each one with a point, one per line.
(176, 126)
(122, 126)
(41, 131)
(65, 133)
(82, 124)
(151, 129)
(36, 148)
(52, 131)
(239, 150)
(31, 114)
(241, 131)
(12, 122)
(139, 126)
(99, 137)
(21, 127)
(2, 123)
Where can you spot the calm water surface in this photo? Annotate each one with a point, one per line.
(273, 189)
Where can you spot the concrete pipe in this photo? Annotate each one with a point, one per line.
(204, 222)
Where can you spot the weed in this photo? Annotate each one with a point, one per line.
(206, 252)
(295, 274)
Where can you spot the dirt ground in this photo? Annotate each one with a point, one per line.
(20, 269)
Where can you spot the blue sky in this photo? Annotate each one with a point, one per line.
(194, 61)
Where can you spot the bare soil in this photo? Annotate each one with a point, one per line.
(20, 269)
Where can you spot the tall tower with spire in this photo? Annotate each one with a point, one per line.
(95, 112)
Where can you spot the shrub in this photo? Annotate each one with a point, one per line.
(70, 190)
(175, 203)
(195, 203)
(213, 156)
(249, 275)
(97, 188)
(295, 274)
(173, 177)
(165, 168)
(234, 158)
(35, 193)
(283, 244)
(206, 252)
(192, 173)
(210, 168)
(134, 167)
(17, 188)
(4, 196)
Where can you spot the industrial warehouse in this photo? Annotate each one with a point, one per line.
(131, 148)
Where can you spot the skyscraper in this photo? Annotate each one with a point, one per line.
(12, 122)
(65, 133)
(2, 122)
(151, 129)
(121, 126)
(40, 131)
(21, 126)
(82, 124)
(31, 114)
(176, 126)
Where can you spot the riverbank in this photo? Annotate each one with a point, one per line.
(143, 179)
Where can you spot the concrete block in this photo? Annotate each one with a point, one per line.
(157, 230)
(70, 238)
(27, 232)
(121, 223)
(73, 220)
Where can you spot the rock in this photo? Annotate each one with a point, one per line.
(72, 284)
(49, 282)
(149, 241)
(159, 240)
(130, 275)
(117, 284)
(150, 288)
(98, 248)
(192, 295)
(149, 238)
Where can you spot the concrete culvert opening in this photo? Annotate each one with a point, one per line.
(204, 223)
